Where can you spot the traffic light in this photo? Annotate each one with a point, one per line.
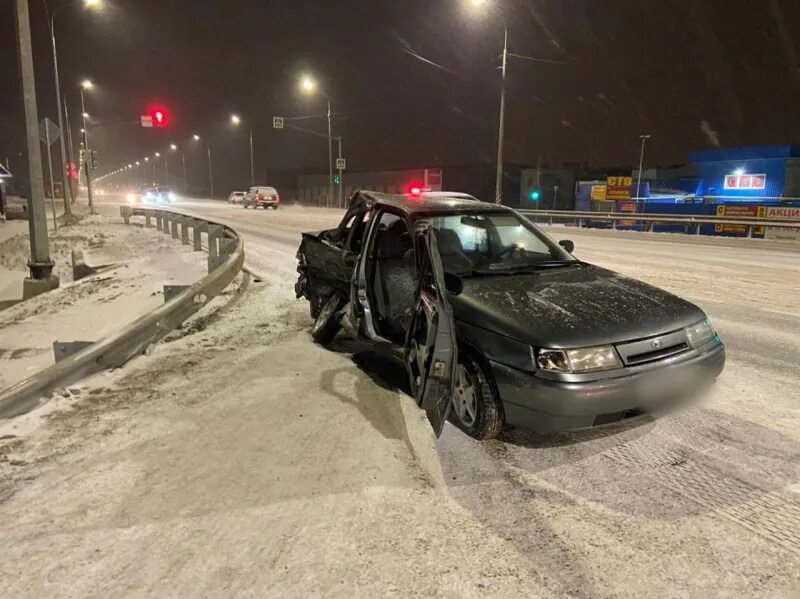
(535, 195)
(95, 163)
(160, 117)
(337, 180)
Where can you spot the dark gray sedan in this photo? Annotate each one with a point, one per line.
(497, 324)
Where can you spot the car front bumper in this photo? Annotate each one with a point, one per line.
(548, 405)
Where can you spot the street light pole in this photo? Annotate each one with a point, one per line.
(498, 188)
(340, 203)
(210, 173)
(86, 151)
(40, 264)
(71, 146)
(185, 180)
(644, 139)
(252, 161)
(330, 157)
(64, 179)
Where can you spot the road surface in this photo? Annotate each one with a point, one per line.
(240, 459)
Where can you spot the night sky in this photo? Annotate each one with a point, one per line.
(693, 73)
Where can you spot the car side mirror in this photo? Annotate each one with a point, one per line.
(567, 244)
(453, 284)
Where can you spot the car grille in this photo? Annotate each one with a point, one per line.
(653, 349)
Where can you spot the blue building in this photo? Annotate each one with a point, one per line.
(754, 175)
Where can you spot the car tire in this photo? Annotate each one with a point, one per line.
(477, 409)
(327, 324)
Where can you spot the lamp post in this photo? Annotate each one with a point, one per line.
(51, 16)
(86, 84)
(236, 120)
(644, 139)
(498, 188)
(40, 264)
(309, 86)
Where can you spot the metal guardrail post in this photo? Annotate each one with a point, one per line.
(148, 215)
(185, 221)
(167, 218)
(175, 223)
(197, 235)
(614, 224)
(159, 222)
(749, 231)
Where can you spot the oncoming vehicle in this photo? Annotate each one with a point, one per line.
(262, 197)
(160, 194)
(236, 197)
(496, 323)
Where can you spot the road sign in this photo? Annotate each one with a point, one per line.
(341, 164)
(147, 121)
(277, 122)
(48, 131)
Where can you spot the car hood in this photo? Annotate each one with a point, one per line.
(571, 307)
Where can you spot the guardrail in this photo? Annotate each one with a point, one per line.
(225, 260)
(650, 220)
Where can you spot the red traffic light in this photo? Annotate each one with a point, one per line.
(159, 116)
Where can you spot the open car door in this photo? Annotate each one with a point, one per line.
(431, 353)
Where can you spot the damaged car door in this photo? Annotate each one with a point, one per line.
(431, 352)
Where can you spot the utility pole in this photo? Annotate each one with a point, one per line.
(340, 203)
(87, 154)
(210, 173)
(252, 162)
(64, 159)
(644, 139)
(50, 174)
(498, 189)
(185, 180)
(330, 157)
(68, 133)
(40, 264)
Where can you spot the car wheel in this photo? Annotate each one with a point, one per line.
(327, 324)
(476, 406)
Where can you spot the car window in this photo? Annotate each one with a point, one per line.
(479, 241)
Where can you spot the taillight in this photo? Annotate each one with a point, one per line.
(277, 198)
(259, 197)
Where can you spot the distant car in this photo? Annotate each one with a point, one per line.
(236, 197)
(134, 196)
(496, 323)
(262, 197)
(160, 194)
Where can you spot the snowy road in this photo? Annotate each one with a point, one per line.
(240, 459)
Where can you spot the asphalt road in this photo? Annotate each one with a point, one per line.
(239, 458)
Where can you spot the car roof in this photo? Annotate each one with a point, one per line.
(448, 194)
(428, 205)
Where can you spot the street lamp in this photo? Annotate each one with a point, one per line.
(236, 120)
(51, 17)
(644, 139)
(498, 189)
(196, 137)
(309, 86)
(86, 85)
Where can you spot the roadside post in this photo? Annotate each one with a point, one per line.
(42, 278)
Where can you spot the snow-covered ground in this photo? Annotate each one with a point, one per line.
(136, 263)
(239, 459)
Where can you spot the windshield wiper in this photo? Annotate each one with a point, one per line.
(533, 266)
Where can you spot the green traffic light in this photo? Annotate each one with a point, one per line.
(535, 196)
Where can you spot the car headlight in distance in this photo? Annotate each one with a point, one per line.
(131, 198)
(587, 359)
(701, 333)
(171, 196)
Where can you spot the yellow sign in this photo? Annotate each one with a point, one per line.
(598, 193)
(619, 189)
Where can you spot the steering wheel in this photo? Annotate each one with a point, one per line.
(514, 251)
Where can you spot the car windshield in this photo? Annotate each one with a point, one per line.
(493, 242)
(162, 190)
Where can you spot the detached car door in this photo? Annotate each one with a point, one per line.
(430, 352)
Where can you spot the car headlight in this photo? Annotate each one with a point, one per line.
(701, 333)
(131, 198)
(588, 359)
(171, 197)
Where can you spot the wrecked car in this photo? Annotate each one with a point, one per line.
(497, 324)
